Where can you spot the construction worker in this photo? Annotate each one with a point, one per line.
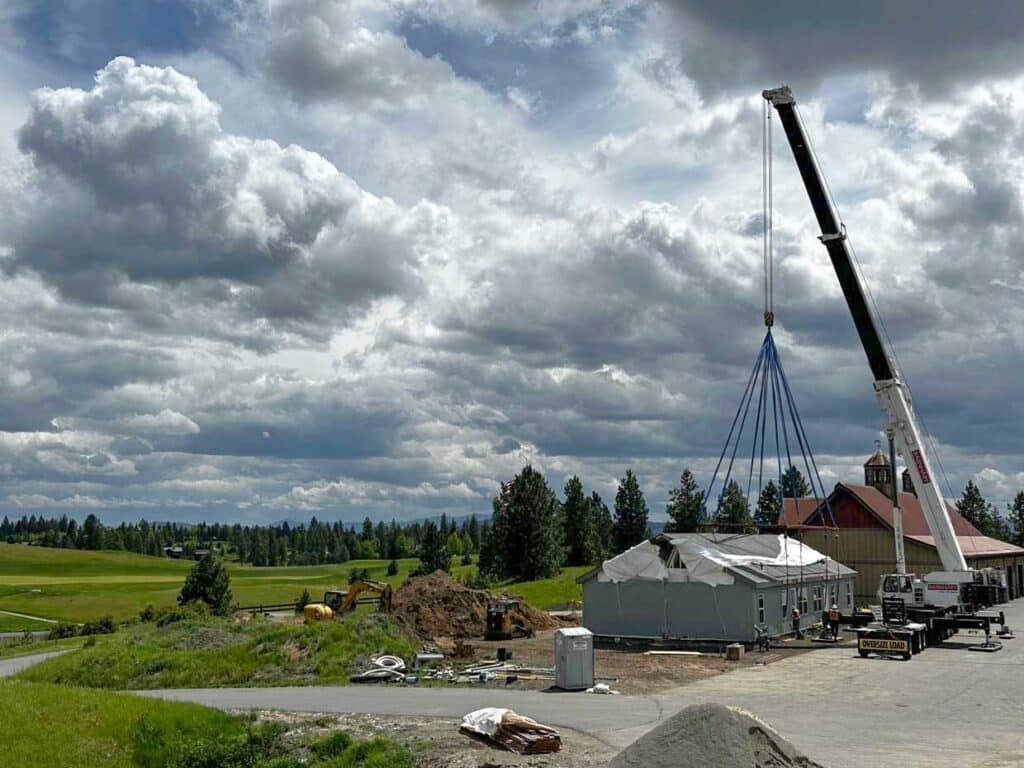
(796, 624)
(833, 621)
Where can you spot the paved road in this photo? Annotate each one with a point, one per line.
(13, 666)
(946, 707)
(29, 616)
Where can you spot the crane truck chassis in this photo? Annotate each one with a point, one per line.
(916, 612)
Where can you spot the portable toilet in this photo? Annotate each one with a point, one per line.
(574, 658)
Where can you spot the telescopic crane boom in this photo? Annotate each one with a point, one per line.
(892, 392)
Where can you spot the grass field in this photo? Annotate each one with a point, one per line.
(51, 726)
(74, 585)
(204, 651)
(54, 726)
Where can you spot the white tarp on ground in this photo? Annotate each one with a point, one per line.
(484, 721)
(707, 558)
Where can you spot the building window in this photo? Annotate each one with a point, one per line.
(817, 600)
(803, 600)
(760, 607)
(849, 596)
(785, 601)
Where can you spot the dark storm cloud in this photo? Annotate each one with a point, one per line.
(935, 44)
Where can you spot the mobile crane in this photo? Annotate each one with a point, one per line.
(934, 607)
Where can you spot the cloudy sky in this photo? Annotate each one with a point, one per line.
(265, 260)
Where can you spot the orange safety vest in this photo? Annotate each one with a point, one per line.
(833, 614)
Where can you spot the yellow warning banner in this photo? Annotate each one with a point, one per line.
(883, 644)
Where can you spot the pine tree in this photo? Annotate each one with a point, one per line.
(602, 526)
(1016, 516)
(92, 531)
(684, 505)
(579, 529)
(630, 513)
(473, 529)
(208, 581)
(769, 505)
(433, 550)
(794, 485)
(525, 528)
(973, 507)
(733, 510)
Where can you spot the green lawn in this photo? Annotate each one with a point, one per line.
(54, 726)
(74, 585)
(18, 624)
(546, 593)
(51, 726)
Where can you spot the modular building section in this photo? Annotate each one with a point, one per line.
(712, 587)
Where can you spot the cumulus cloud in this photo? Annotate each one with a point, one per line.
(319, 50)
(138, 186)
(202, 322)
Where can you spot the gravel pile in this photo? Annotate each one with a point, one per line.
(712, 736)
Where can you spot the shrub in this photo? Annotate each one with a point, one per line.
(332, 746)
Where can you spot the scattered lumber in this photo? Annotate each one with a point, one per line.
(511, 731)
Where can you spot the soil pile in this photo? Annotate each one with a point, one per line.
(712, 736)
(436, 605)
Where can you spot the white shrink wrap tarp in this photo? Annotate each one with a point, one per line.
(707, 559)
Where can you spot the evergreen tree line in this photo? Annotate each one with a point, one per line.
(987, 518)
(271, 545)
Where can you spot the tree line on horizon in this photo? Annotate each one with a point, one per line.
(532, 533)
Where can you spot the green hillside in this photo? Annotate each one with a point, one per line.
(78, 585)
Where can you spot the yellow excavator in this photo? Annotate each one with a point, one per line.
(338, 602)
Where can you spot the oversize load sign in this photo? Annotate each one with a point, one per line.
(883, 644)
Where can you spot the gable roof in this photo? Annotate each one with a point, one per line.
(914, 523)
(798, 512)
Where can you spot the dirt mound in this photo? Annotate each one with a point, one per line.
(712, 736)
(436, 605)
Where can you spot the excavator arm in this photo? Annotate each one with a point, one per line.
(892, 392)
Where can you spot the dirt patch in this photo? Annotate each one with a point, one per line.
(629, 671)
(438, 743)
(712, 736)
(294, 651)
(435, 606)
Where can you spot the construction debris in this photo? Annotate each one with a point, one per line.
(386, 669)
(712, 736)
(511, 731)
(435, 605)
(602, 688)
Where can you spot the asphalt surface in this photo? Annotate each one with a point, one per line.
(13, 666)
